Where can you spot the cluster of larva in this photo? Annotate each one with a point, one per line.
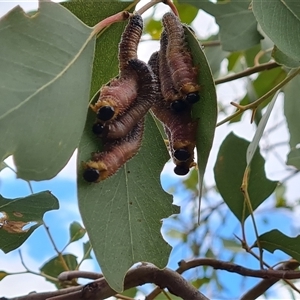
(173, 65)
(167, 85)
(121, 108)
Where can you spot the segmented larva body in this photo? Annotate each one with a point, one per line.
(166, 83)
(121, 92)
(180, 128)
(115, 154)
(179, 57)
(147, 94)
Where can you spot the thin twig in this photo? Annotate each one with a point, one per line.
(253, 105)
(69, 275)
(247, 72)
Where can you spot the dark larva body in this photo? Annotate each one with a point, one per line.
(116, 97)
(179, 57)
(180, 128)
(115, 154)
(148, 89)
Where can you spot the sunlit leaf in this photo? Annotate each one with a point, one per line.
(76, 232)
(260, 130)
(21, 216)
(45, 75)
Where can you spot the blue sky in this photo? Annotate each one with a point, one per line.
(37, 249)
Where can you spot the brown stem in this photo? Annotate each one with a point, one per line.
(99, 289)
(118, 17)
(69, 275)
(265, 284)
(247, 72)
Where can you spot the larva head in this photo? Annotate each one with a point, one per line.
(95, 171)
(181, 170)
(91, 175)
(98, 128)
(106, 113)
(192, 97)
(182, 154)
(178, 105)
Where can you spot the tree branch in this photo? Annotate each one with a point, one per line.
(99, 289)
(265, 284)
(247, 72)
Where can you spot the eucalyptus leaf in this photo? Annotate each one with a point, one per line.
(292, 109)
(276, 240)
(45, 75)
(260, 130)
(205, 111)
(123, 214)
(21, 216)
(229, 171)
(283, 59)
(280, 20)
(238, 26)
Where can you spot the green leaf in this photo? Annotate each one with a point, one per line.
(205, 111)
(260, 130)
(292, 109)
(123, 214)
(3, 165)
(232, 245)
(293, 158)
(131, 293)
(154, 28)
(187, 13)
(21, 216)
(57, 265)
(276, 240)
(280, 20)
(45, 75)
(76, 232)
(238, 26)
(229, 170)
(87, 248)
(105, 65)
(283, 59)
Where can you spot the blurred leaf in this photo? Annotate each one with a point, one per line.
(200, 281)
(56, 265)
(154, 28)
(280, 197)
(117, 212)
(187, 13)
(232, 245)
(233, 60)
(283, 59)
(76, 232)
(175, 234)
(3, 165)
(3, 274)
(87, 248)
(260, 130)
(293, 158)
(292, 110)
(215, 55)
(21, 216)
(229, 170)
(45, 83)
(276, 240)
(191, 181)
(105, 65)
(233, 37)
(206, 109)
(268, 14)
